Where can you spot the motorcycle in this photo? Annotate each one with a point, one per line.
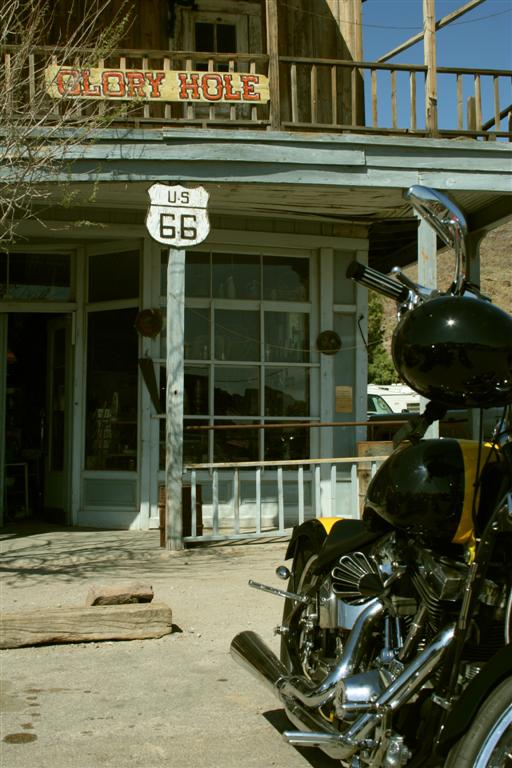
(396, 631)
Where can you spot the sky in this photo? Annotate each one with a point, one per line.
(481, 38)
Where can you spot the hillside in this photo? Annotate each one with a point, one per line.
(496, 272)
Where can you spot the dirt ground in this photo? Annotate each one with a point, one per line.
(176, 701)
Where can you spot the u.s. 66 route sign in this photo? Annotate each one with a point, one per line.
(178, 216)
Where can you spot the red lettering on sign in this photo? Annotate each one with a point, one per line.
(216, 94)
(87, 88)
(248, 83)
(188, 84)
(135, 82)
(70, 86)
(231, 95)
(154, 79)
(113, 89)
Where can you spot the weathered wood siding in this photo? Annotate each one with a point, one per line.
(320, 29)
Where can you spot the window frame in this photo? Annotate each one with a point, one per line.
(309, 307)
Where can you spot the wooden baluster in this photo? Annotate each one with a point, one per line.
(394, 119)
(412, 98)
(353, 95)
(236, 500)
(334, 95)
(478, 102)
(313, 85)
(232, 108)
(300, 489)
(460, 103)
(280, 498)
(167, 108)
(254, 108)
(258, 500)
(496, 87)
(293, 85)
(145, 65)
(374, 99)
(189, 107)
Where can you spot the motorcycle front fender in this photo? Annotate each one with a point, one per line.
(461, 716)
(314, 532)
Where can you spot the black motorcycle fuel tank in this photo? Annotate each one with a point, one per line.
(456, 350)
(426, 489)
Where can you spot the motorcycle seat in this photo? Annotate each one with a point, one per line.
(345, 536)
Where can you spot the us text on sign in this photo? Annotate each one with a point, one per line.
(178, 216)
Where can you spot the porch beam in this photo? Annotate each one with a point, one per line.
(430, 61)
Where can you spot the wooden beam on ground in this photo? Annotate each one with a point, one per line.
(135, 621)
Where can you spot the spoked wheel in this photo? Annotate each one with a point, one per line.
(303, 643)
(488, 742)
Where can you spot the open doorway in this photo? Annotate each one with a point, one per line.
(37, 417)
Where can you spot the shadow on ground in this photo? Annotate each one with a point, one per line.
(315, 757)
(29, 551)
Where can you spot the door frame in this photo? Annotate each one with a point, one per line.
(3, 393)
(65, 323)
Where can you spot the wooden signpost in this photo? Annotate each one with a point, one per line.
(177, 217)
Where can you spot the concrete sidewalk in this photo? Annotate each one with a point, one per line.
(177, 701)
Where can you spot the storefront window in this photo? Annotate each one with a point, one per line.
(35, 277)
(112, 374)
(248, 360)
(114, 276)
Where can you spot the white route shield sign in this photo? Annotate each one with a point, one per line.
(178, 216)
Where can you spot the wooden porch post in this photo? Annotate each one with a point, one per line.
(174, 399)
(273, 63)
(429, 32)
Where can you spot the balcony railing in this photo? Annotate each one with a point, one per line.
(311, 95)
(257, 499)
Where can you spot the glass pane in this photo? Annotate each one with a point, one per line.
(285, 279)
(196, 391)
(35, 277)
(195, 442)
(114, 276)
(204, 37)
(236, 277)
(287, 337)
(226, 38)
(197, 334)
(287, 392)
(235, 444)
(237, 335)
(197, 274)
(111, 428)
(287, 443)
(236, 391)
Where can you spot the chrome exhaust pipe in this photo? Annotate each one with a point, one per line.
(249, 650)
(353, 652)
(398, 693)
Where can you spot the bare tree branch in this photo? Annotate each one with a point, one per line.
(36, 131)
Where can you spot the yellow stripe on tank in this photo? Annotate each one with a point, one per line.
(465, 533)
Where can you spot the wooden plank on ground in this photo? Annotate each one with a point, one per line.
(135, 621)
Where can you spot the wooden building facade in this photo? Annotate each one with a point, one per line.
(269, 115)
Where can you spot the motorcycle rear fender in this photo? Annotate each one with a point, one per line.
(314, 532)
(461, 716)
